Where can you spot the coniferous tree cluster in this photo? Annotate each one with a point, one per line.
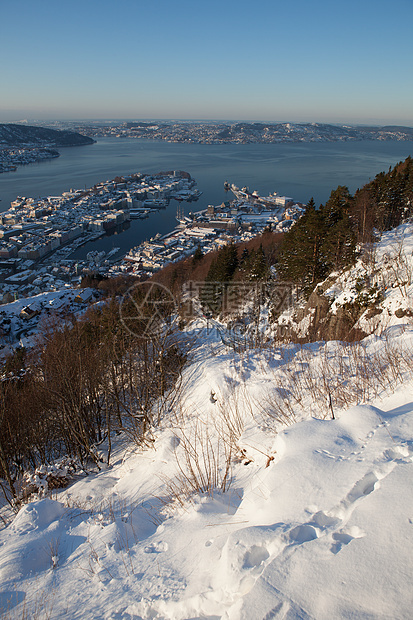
(325, 239)
(388, 199)
(247, 261)
(232, 265)
(254, 264)
(221, 272)
(321, 241)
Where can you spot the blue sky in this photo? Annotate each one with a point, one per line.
(303, 60)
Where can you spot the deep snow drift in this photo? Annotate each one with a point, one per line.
(301, 515)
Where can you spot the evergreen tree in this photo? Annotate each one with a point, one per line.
(300, 259)
(337, 205)
(198, 255)
(223, 267)
(258, 265)
(221, 271)
(362, 214)
(391, 195)
(244, 260)
(339, 245)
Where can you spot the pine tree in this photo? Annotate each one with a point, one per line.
(221, 271)
(224, 266)
(339, 245)
(259, 267)
(337, 205)
(300, 259)
(392, 195)
(198, 255)
(244, 260)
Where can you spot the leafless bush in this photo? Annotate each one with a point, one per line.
(277, 406)
(229, 422)
(83, 382)
(399, 266)
(338, 376)
(36, 607)
(204, 466)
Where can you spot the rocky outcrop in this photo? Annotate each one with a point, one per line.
(323, 324)
(326, 325)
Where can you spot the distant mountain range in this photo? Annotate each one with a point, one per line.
(206, 132)
(21, 136)
(202, 132)
(313, 132)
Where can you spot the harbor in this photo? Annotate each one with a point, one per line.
(39, 236)
(240, 219)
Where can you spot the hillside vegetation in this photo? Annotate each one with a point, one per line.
(234, 461)
(90, 378)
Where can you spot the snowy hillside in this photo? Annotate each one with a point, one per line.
(375, 293)
(278, 485)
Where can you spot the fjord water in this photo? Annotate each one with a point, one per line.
(302, 170)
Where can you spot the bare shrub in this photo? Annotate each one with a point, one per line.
(229, 422)
(38, 606)
(85, 380)
(276, 404)
(204, 466)
(338, 376)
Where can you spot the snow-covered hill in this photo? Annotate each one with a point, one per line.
(278, 485)
(375, 293)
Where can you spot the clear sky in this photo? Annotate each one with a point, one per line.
(275, 60)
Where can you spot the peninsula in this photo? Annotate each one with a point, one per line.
(24, 144)
(13, 135)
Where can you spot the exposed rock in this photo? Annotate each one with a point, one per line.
(320, 303)
(326, 325)
(402, 312)
(341, 326)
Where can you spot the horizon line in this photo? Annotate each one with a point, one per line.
(200, 120)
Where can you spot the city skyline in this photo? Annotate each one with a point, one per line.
(303, 62)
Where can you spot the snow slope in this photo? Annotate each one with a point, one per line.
(379, 286)
(299, 515)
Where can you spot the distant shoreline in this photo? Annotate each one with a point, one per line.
(213, 133)
(12, 158)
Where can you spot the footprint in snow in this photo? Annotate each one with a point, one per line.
(321, 523)
(255, 556)
(156, 547)
(344, 537)
(302, 533)
(400, 454)
(363, 487)
(322, 520)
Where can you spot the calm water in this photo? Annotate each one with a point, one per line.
(297, 170)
